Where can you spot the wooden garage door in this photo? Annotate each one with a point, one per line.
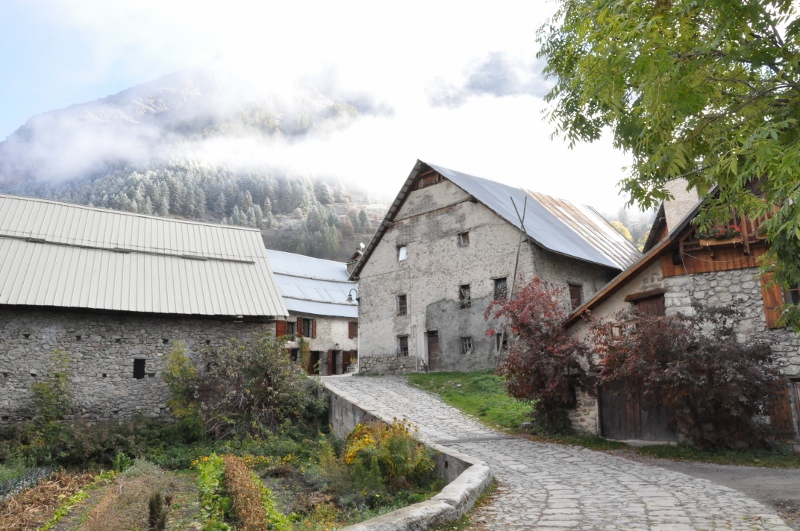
(622, 417)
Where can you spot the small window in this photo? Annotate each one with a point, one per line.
(501, 341)
(294, 354)
(428, 180)
(402, 305)
(463, 239)
(291, 329)
(352, 330)
(308, 328)
(793, 294)
(500, 288)
(402, 253)
(138, 369)
(466, 345)
(575, 295)
(402, 346)
(464, 299)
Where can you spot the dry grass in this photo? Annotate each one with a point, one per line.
(245, 495)
(33, 507)
(124, 504)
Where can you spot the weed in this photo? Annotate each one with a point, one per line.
(157, 512)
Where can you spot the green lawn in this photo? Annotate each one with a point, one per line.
(482, 394)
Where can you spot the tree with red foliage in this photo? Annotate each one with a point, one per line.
(543, 363)
(695, 367)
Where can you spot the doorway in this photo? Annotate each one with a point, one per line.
(432, 339)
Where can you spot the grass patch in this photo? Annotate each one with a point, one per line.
(783, 457)
(481, 394)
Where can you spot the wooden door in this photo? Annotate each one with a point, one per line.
(313, 362)
(432, 337)
(781, 413)
(653, 306)
(331, 362)
(622, 417)
(345, 361)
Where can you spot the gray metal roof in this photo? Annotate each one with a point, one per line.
(58, 254)
(313, 286)
(557, 225)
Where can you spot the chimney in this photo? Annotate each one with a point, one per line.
(682, 202)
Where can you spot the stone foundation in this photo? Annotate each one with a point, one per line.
(102, 348)
(584, 417)
(391, 364)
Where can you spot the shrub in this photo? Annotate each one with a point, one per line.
(52, 396)
(251, 501)
(245, 389)
(157, 512)
(543, 364)
(695, 367)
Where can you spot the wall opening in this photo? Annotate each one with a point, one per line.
(402, 305)
(466, 345)
(402, 253)
(575, 295)
(165, 340)
(463, 239)
(402, 346)
(464, 297)
(78, 338)
(138, 369)
(26, 336)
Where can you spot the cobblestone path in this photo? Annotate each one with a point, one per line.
(547, 486)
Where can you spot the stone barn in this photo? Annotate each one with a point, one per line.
(117, 291)
(449, 245)
(682, 266)
(316, 294)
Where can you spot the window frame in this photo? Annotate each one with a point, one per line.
(464, 296)
(463, 239)
(402, 346)
(402, 253)
(467, 345)
(139, 368)
(291, 329)
(497, 294)
(401, 309)
(578, 288)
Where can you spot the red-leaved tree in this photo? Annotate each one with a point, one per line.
(543, 363)
(694, 366)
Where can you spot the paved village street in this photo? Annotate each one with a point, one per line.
(547, 486)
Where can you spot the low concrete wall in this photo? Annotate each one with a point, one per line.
(465, 476)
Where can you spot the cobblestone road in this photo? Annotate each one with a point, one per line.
(546, 486)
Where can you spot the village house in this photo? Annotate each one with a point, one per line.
(681, 267)
(316, 294)
(118, 291)
(449, 245)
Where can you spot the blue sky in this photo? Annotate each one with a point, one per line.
(464, 84)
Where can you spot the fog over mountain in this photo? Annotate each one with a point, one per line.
(209, 113)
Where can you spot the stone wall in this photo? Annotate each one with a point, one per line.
(584, 417)
(102, 348)
(428, 226)
(332, 334)
(390, 364)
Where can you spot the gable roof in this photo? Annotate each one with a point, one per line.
(72, 256)
(656, 250)
(313, 286)
(577, 231)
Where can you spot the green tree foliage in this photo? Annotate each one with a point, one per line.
(52, 395)
(622, 229)
(706, 90)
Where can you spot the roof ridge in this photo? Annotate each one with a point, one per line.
(122, 212)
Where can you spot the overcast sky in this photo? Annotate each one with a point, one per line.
(464, 84)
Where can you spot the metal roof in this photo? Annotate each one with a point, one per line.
(63, 255)
(313, 286)
(557, 225)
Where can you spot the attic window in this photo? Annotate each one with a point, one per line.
(463, 239)
(464, 298)
(402, 253)
(429, 179)
(138, 369)
(575, 295)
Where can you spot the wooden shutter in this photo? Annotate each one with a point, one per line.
(299, 331)
(653, 306)
(345, 360)
(280, 328)
(772, 297)
(781, 413)
(313, 328)
(352, 330)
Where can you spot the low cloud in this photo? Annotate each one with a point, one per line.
(183, 114)
(497, 75)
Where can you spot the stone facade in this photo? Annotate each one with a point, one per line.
(740, 288)
(333, 333)
(102, 348)
(438, 262)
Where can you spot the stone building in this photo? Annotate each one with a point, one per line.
(117, 291)
(323, 311)
(681, 267)
(449, 245)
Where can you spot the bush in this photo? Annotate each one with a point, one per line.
(214, 504)
(694, 366)
(246, 388)
(543, 364)
(251, 501)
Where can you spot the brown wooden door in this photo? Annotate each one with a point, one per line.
(345, 361)
(781, 413)
(622, 417)
(433, 349)
(331, 362)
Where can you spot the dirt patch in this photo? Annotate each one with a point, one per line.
(33, 507)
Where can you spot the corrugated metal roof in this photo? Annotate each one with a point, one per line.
(57, 254)
(313, 286)
(555, 224)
